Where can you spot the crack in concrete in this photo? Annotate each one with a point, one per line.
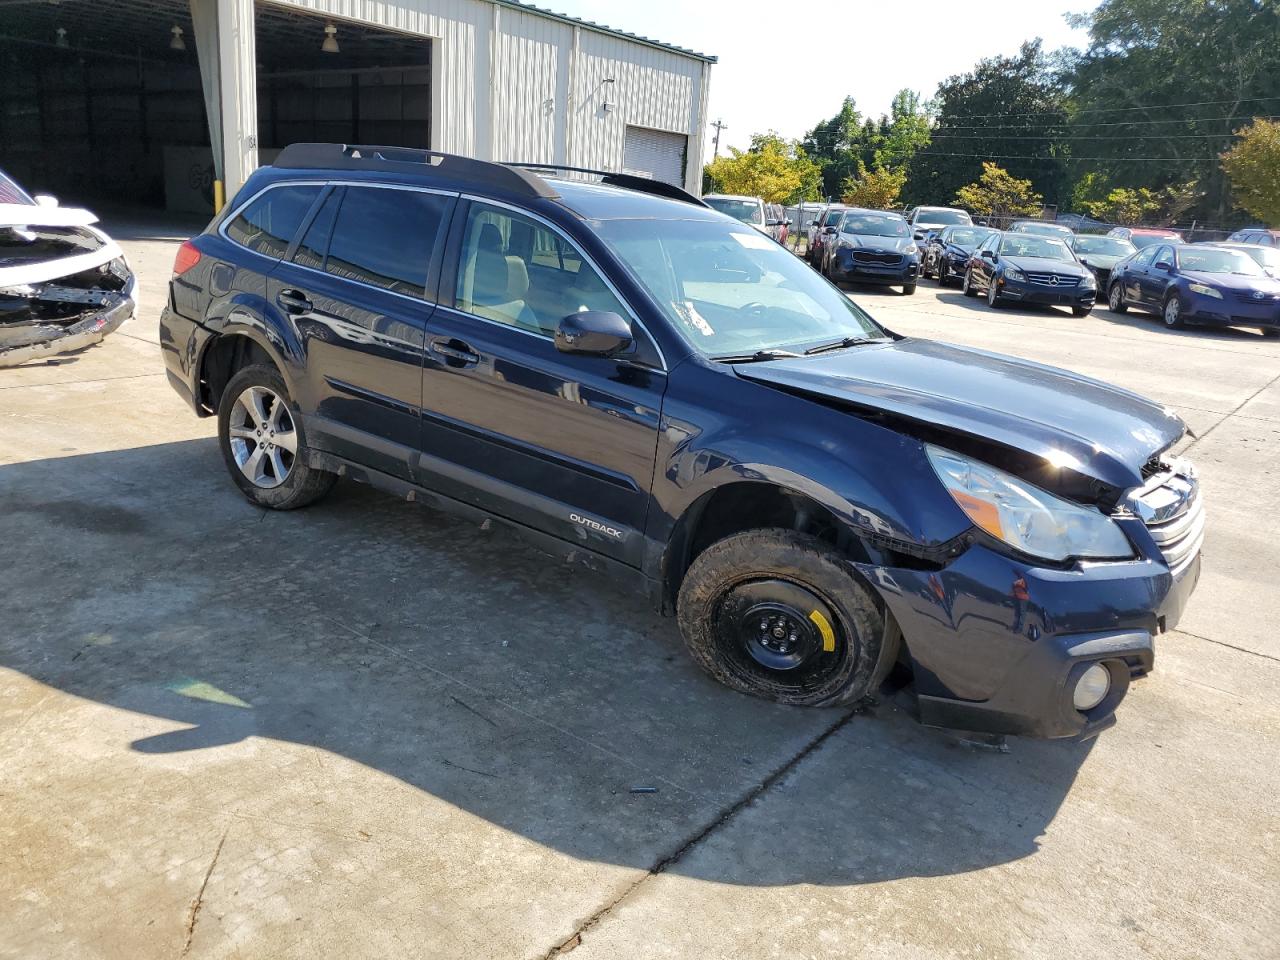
(193, 914)
(1231, 646)
(1243, 403)
(574, 940)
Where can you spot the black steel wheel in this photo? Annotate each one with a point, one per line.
(777, 614)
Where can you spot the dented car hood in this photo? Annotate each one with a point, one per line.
(24, 217)
(1092, 427)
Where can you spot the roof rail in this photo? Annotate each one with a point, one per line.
(627, 181)
(348, 156)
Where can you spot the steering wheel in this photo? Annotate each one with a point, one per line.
(755, 308)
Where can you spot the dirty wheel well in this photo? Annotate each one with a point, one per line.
(745, 506)
(222, 358)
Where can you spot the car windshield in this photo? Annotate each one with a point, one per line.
(873, 226)
(940, 217)
(1209, 260)
(1104, 246)
(966, 236)
(1041, 229)
(10, 192)
(1144, 240)
(1266, 257)
(748, 211)
(731, 291)
(1030, 245)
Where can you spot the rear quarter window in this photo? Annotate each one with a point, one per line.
(385, 237)
(268, 224)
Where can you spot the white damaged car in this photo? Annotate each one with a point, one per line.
(64, 284)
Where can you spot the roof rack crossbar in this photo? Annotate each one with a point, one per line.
(628, 181)
(351, 156)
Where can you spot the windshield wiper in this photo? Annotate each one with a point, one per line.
(756, 357)
(841, 344)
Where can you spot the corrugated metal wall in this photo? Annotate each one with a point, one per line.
(524, 93)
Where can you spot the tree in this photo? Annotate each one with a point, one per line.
(847, 145)
(877, 189)
(1253, 168)
(774, 169)
(999, 194)
(1125, 206)
(1162, 86)
(1007, 109)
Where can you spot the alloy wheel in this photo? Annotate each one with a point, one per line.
(263, 437)
(1115, 298)
(1173, 312)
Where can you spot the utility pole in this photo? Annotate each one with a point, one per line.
(719, 125)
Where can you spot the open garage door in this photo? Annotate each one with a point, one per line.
(102, 104)
(656, 154)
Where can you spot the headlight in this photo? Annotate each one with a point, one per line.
(1205, 290)
(1014, 274)
(1022, 515)
(1089, 280)
(912, 250)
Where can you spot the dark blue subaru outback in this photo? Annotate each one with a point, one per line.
(655, 390)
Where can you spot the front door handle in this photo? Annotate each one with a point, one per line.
(454, 352)
(293, 301)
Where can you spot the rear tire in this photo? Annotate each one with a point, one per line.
(1115, 299)
(262, 442)
(776, 614)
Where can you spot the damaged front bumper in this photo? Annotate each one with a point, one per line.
(64, 284)
(51, 320)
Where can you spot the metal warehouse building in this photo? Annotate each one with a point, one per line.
(164, 102)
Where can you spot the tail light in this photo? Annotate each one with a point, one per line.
(187, 257)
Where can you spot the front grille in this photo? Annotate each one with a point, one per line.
(1246, 296)
(1053, 279)
(873, 256)
(1172, 507)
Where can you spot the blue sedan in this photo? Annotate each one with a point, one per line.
(1188, 284)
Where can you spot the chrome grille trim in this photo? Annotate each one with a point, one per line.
(1172, 507)
(1053, 279)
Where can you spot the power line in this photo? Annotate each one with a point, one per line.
(1109, 123)
(1012, 156)
(1135, 136)
(1152, 106)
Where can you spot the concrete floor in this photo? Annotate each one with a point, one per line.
(365, 730)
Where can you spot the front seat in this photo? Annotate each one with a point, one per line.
(498, 283)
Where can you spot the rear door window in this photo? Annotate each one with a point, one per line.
(268, 224)
(315, 242)
(385, 237)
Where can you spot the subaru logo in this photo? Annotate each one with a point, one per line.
(1259, 295)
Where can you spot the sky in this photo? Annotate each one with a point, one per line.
(787, 73)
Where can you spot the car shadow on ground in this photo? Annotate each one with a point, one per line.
(465, 664)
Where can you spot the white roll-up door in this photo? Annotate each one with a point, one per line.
(655, 153)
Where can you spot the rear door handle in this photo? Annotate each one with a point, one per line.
(454, 352)
(293, 301)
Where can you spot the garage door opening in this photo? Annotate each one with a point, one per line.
(103, 105)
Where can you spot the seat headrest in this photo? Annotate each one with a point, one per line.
(490, 238)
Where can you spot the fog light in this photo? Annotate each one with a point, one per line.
(1092, 687)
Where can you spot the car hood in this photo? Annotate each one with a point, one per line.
(1234, 282)
(1104, 261)
(871, 241)
(1045, 265)
(1095, 428)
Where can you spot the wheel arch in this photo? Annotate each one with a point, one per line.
(225, 354)
(740, 505)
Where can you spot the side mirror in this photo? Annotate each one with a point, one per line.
(787, 222)
(1164, 265)
(989, 255)
(772, 223)
(598, 333)
(828, 229)
(45, 200)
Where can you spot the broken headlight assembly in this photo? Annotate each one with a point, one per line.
(1027, 518)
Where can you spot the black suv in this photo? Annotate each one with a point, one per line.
(655, 390)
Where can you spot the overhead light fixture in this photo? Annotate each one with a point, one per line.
(330, 44)
(177, 43)
(62, 37)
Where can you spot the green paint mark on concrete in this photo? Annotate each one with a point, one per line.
(201, 690)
